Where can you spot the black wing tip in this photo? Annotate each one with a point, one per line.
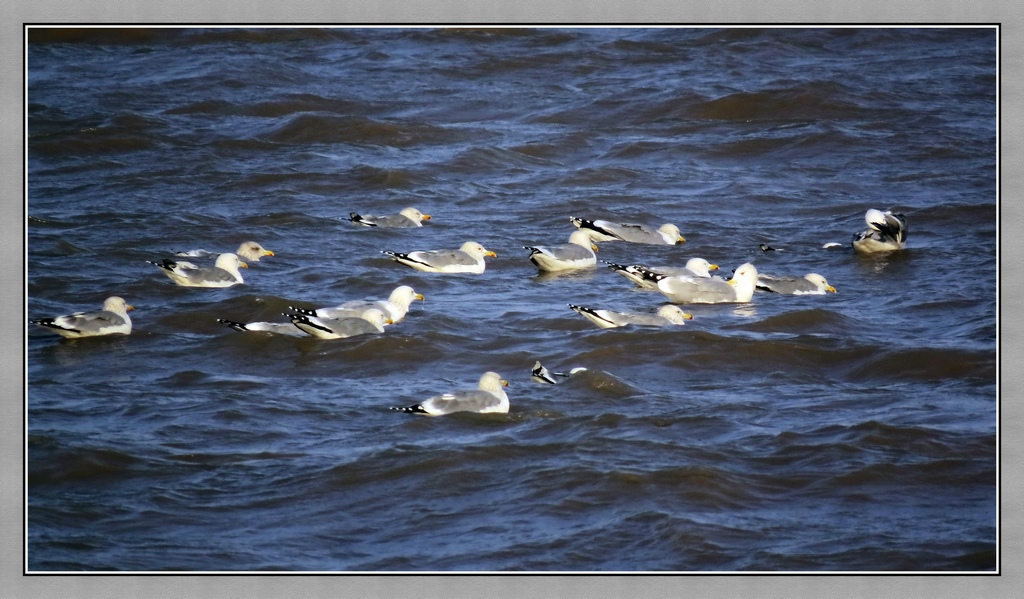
(416, 409)
(166, 264)
(302, 311)
(359, 220)
(51, 323)
(235, 325)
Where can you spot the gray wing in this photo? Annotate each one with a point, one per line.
(337, 327)
(632, 233)
(777, 284)
(443, 258)
(394, 221)
(86, 323)
(214, 274)
(566, 253)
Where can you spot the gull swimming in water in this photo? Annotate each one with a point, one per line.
(608, 319)
(467, 259)
(395, 307)
(602, 230)
(695, 267)
(578, 253)
(809, 284)
(371, 322)
(885, 232)
(112, 319)
(698, 290)
(250, 250)
(407, 218)
(224, 273)
(488, 397)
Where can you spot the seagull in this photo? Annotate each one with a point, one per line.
(250, 250)
(224, 273)
(578, 253)
(407, 218)
(698, 290)
(602, 230)
(607, 319)
(488, 397)
(112, 319)
(371, 322)
(467, 259)
(809, 284)
(395, 307)
(885, 232)
(696, 267)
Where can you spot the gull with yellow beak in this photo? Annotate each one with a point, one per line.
(603, 230)
(112, 319)
(714, 290)
(809, 284)
(467, 259)
(578, 253)
(608, 319)
(224, 273)
(488, 397)
(695, 267)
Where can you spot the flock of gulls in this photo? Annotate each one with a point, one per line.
(691, 283)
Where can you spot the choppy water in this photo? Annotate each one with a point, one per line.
(848, 432)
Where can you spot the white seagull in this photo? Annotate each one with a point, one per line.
(224, 273)
(602, 230)
(395, 307)
(250, 250)
(407, 218)
(885, 232)
(608, 319)
(488, 397)
(467, 259)
(698, 290)
(695, 267)
(809, 284)
(578, 253)
(371, 322)
(112, 319)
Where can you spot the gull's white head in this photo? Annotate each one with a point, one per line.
(230, 262)
(476, 250)
(414, 214)
(582, 238)
(820, 282)
(700, 266)
(671, 233)
(674, 314)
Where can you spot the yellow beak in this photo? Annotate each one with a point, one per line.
(426, 217)
(243, 265)
(712, 267)
(491, 254)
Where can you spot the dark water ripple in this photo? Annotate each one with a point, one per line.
(853, 432)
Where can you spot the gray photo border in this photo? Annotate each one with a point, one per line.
(13, 581)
